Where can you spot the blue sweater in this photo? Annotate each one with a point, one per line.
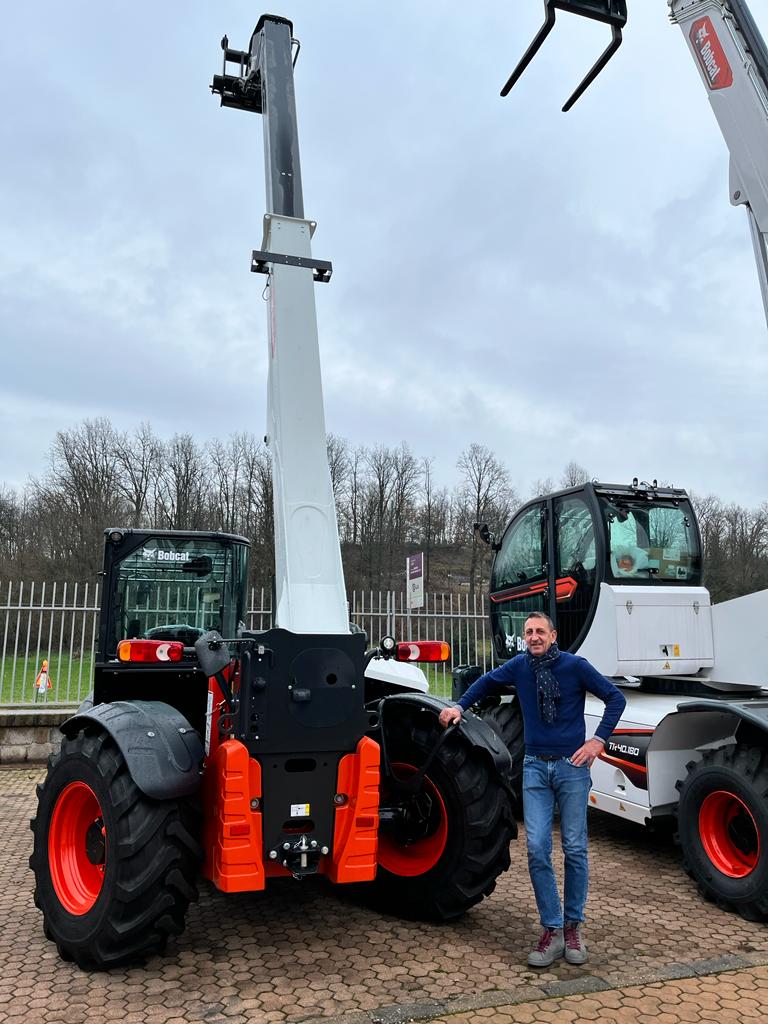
(576, 677)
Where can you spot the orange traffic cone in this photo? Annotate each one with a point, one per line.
(43, 680)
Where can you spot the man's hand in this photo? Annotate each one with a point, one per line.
(586, 755)
(449, 716)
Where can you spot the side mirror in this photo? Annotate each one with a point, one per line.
(486, 536)
(212, 653)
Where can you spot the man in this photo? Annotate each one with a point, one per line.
(551, 687)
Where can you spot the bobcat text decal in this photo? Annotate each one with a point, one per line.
(711, 55)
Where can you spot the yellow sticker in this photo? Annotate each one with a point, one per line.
(676, 650)
(666, 665)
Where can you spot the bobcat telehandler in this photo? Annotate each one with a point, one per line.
(619, 568)
(732, 59)
(209, 748)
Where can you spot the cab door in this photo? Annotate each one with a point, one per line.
(573, 593)
(519, 578)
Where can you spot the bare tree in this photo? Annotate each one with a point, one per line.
(484, 494)
(379, 487)
(183, 486)
(80, 496)
(338, 464)
(573, 475)
(542, 486)
(427, 515)
(229, 464)
(138, 456)
(406, 474)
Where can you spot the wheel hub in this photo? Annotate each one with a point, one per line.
(95, 846)
(729, 834)
(418, 830)
(77, 848)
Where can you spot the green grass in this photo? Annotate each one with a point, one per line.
(71, 679)
(439, 679)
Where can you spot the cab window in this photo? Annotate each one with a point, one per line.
(522, 556)
(177, 589)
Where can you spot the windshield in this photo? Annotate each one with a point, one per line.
(176, 589)
(651, 540)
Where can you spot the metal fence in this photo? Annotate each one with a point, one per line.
(58, 622)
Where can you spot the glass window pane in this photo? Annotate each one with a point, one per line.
(651, 540)
(176, 589)
(521, 558)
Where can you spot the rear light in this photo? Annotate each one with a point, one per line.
(423, 650)
(150, 650)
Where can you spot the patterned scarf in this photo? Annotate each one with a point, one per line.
(547, 687)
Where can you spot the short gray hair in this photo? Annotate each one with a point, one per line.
(540, 615)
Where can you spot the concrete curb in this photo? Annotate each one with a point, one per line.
(402, 1013)
(29, 735)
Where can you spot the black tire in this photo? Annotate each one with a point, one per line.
(127, 876)
(507, 720)
(476, 819)
(722, 813)
(86, 704)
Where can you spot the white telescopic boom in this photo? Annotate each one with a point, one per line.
(309, 578)
(733, 63)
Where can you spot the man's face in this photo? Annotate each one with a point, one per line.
(538, 636)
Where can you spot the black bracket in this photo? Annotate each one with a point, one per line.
(611, 12)
(321, 269)
(242, 91)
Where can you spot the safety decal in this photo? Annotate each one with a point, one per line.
(299, 810)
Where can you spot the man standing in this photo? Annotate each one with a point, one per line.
(551, 687)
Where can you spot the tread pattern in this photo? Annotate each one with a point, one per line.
(153, 857)
(743, 770)
(507, 720)
(480, 826)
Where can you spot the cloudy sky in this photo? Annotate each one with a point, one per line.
(556, 287)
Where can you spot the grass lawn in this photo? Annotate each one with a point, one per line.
(71, 679)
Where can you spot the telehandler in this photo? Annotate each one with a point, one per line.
(210, 748)
(618, 568)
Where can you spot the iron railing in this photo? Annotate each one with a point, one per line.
(58, 622)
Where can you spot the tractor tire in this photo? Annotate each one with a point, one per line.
(722, 815)
(114, 870)
(507, 720)
(460, 845)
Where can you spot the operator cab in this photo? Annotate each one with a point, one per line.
(171, 585)
(558, 549)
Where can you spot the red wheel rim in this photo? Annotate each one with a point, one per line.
(729, 834)
(417, 857)
(77, 880)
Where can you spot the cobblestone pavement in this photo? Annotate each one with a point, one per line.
(310, 952)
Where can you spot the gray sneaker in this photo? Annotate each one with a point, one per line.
(575, 950)
(549, 948)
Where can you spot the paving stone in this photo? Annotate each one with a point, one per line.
(310, 953)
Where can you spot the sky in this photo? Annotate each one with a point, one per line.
(556, 287)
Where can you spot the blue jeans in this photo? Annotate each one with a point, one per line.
(544, 783)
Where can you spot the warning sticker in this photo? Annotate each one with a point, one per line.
(299, 810)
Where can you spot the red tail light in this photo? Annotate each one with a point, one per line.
(150, 650)
(423, 650)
